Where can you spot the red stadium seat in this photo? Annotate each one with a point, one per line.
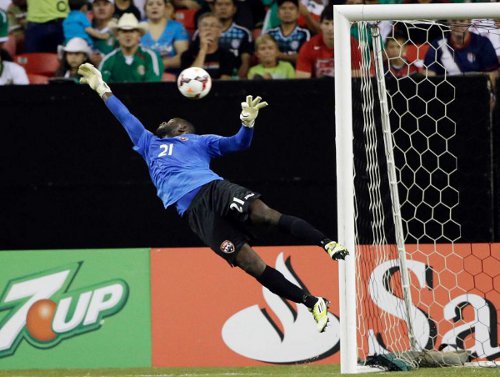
(37, 79)
(187, 18)
(39, 63)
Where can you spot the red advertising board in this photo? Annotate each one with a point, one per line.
(455, 292)
(205, 313)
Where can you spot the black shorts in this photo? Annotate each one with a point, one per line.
(218, 214)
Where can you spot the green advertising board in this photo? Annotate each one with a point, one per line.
(75, 309)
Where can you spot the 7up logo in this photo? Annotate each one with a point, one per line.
(43, 311)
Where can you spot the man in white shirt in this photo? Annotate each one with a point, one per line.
(12, 73)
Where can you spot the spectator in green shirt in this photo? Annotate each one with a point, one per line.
(102, 12)
(130, 62)
(267, 51)
(44, 31)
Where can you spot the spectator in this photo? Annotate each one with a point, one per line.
(10, 73)
(249, 13)
(234, 38)
(289, 35)
(167, 37)
(488, 28)
(130, 62)
(205, 51)
(126, 6)
(316, 56)
(266, 49)
(76, 52)
(17, 11)
(461, 52)
(44, 31)
(102, 14)
(78, 25)
(396, 64)
(309, 11)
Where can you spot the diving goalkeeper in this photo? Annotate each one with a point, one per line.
(223, 214)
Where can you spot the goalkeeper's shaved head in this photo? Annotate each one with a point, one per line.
(174, 127)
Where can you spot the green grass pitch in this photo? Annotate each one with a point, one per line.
(288, 371)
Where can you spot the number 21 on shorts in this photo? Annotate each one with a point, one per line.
(238, 204)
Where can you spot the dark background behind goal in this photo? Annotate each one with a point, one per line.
(70, 179)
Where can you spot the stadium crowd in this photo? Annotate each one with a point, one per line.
(153, 40)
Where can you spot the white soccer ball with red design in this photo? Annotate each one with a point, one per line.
(194, 83)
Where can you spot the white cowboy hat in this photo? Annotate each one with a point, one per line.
(76, 44)
(128, 22)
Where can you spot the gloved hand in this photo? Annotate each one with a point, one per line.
(250, 110)
(92, 77)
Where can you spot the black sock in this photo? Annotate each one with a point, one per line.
(309, 301)
(278, 284)
(302, 229)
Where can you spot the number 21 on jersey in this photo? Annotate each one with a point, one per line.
(166, 150)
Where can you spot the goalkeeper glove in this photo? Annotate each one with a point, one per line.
(92, 77)
(250, 110)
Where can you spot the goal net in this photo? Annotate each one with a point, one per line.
(404, 298)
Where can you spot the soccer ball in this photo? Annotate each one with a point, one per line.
(194, 83)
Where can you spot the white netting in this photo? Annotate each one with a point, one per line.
(420, 165)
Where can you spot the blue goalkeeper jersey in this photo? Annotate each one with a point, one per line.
(178, 165)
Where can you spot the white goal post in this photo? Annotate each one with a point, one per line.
(344, 16)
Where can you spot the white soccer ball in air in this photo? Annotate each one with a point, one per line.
(194, 83)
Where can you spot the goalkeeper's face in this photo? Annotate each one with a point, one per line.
(174, 127)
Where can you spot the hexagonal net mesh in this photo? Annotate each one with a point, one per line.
(413, 301)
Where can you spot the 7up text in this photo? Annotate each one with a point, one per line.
(41, 309)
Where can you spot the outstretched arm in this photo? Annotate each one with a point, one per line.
(92, 77)
(238, 142)
(243, 138)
